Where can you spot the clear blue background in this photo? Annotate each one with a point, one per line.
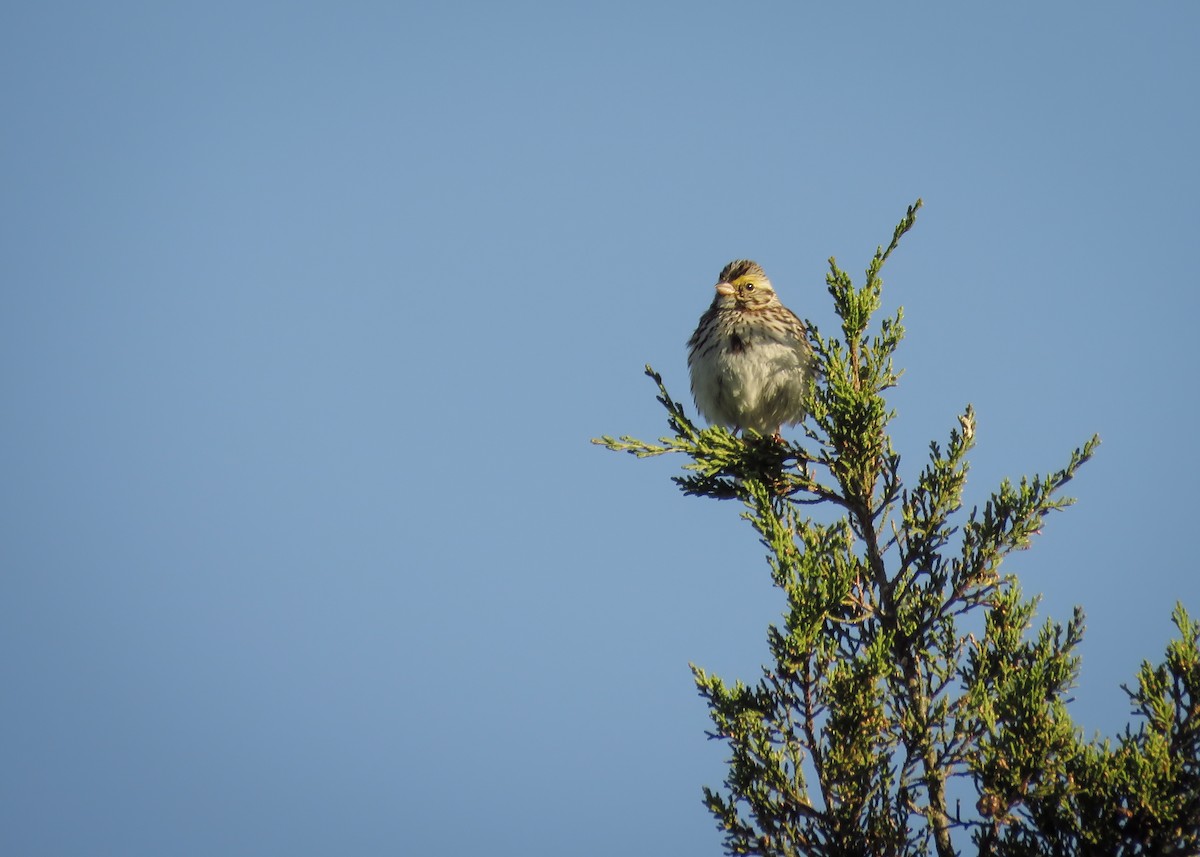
(309, 311)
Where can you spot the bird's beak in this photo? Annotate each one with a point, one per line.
(725, 290)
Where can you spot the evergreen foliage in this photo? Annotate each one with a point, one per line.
(876, 698)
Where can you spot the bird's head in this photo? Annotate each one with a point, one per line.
(743, 285)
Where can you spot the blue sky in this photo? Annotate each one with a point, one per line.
(309, 312)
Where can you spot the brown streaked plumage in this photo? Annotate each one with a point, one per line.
(750, 360)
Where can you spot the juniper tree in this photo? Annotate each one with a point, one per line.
(877, 697)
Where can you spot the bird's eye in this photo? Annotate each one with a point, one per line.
(749, 287)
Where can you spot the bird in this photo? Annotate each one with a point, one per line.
(750, 360)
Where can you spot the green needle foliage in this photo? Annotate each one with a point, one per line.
(878, 703)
